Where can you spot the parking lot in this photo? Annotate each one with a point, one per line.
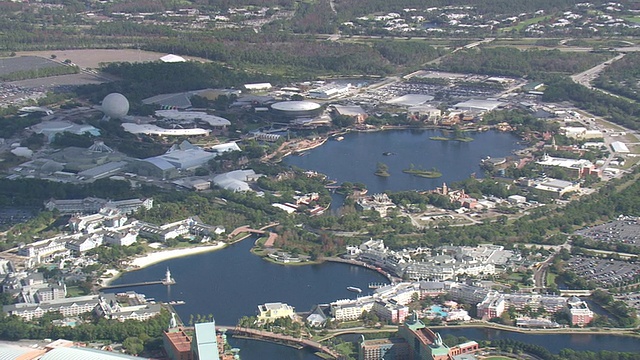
(624, 230)
(13, 215)
(457, 87)
(25, 63)
(604, 272)
(631, 299)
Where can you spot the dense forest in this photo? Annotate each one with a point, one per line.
(622, 77)
(148, 333)
(143, 80)
(40, 73)
(507, 61)
(615, 109)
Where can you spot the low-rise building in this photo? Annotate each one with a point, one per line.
(92, 205)
(393, 348)
(67, 306)
(381, 203)
(177, 344)
(270, 311)
(579, 312)
(575, 168)
(556, 188)
(349, 310)
(111, 309)
(492, 306)
(390, 311)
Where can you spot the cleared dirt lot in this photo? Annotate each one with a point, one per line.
(91, 58)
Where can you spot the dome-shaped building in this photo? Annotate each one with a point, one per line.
(115, 106)
(296, 109)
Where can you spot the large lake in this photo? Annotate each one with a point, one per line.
(232, 282)
(355, 158)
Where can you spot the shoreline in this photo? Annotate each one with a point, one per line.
(156, 257)
(541, 331)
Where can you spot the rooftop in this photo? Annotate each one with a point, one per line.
(295, 106)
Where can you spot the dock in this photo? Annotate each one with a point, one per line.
(168, 280)
(146, 283)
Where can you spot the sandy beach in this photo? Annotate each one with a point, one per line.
(159, 256)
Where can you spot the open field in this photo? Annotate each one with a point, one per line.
(91, 58)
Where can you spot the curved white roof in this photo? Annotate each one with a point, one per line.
(149, 129)
(11, 353)
(192, 116)
(74, 353)
(295, 106)
(234, 180)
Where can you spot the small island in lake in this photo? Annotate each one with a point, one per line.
(431, 174)
(458, 135)
(382, 170)
(461, 139)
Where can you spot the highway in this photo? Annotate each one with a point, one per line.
(586, 77)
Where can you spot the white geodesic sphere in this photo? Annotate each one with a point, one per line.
(115, 105)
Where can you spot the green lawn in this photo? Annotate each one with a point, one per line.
(634, 19)
(527, 22)
(73, 291)
(498, 358)
(551, 278)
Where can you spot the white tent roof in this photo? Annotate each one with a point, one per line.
(172, 58)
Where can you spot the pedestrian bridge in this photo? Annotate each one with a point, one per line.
(281, 339)
(575, 292)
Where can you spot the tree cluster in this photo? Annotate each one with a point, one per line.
(507, 61)
(615, 109)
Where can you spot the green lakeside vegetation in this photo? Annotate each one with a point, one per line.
(460, 139)
(430, 174)
(382, 170)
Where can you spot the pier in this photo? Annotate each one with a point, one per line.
(168, 280)
(377, 285)
(146, 283)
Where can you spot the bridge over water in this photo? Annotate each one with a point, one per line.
(281, 339)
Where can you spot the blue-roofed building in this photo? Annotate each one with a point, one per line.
(205, 342)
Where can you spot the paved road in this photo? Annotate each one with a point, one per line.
(586, 77)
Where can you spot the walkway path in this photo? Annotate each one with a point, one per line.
(286, 339)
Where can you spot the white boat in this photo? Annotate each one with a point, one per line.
(354, 289)
(340, 138)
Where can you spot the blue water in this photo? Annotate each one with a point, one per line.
(438, 310)
(355, 158)
(232, 282)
